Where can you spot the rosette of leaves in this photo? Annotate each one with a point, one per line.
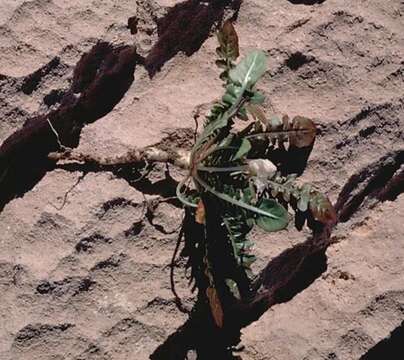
(231, 162)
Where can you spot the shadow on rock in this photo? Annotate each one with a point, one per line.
(101, 78)
(185, 28)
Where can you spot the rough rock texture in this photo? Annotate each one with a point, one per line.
(84, 255)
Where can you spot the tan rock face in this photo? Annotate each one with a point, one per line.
(84, 273)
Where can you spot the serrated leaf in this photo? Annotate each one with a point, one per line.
(276, 223)
(234, 90)
(219, 52)
(300, 132)
(249, 70)
(224, 75)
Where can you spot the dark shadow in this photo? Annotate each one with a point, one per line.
(382, 180)
(295, 160)
(297, 60)
(391, 348)
(185, 28)
(31, 82)
(285, 276)
(310, 269)
(291, 160)
(306, 2)
(101, 78)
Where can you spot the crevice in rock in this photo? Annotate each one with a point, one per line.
(55, 96)
(389, 348)
(31, 82)
(135, 229)
(33, 332)
(69, 286)
(101, 77)
(112, 262)
(310, 269)
(380, 181)
(87, 244)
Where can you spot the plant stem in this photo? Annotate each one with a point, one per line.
(231, 200)
(222, 169)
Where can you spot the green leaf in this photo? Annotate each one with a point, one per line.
(244, 148)
(246, 73)
(229, 99)
(220, 122)
(249, 70)
(257, 98)
(232, 285)
(248, 260)
(242, 114)
(234, 90)
(276, 223)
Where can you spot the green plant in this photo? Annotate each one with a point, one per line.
(237, 166)
(242, 172)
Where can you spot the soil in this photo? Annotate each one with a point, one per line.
(85, 252)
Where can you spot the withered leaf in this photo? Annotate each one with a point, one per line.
(200, 213)
(322, 209)
(215, 306)
(304, 132)
(228, 41)
(257, 113)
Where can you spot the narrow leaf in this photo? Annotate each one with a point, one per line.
(243, 150)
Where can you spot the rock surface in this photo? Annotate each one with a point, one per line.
(84, 274)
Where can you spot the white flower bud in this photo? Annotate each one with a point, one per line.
(262, 168)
